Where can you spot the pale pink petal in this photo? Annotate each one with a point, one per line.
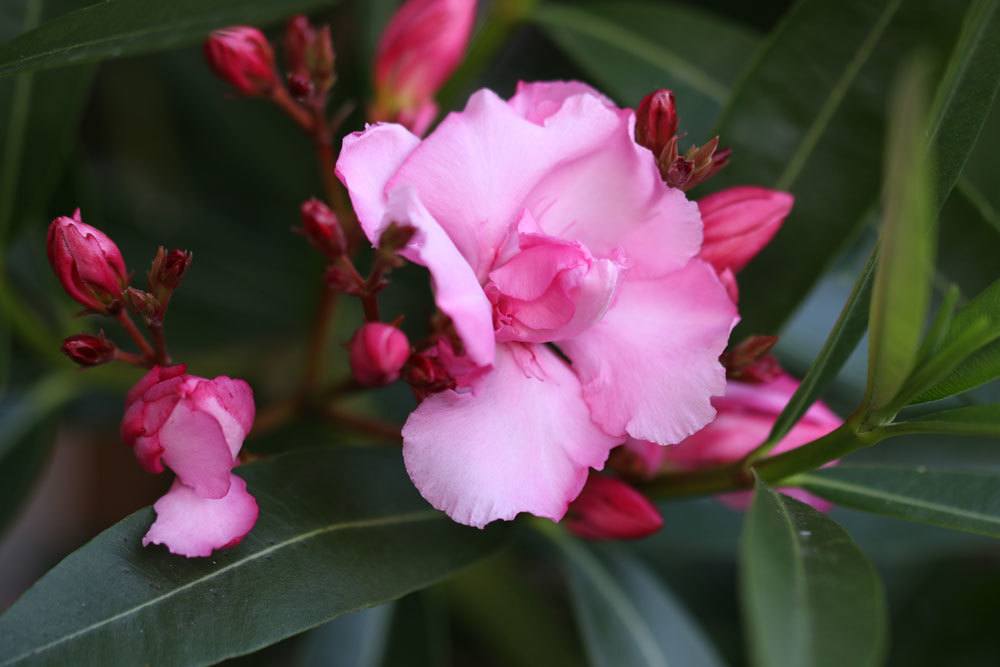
(613, 198)
(367, 161)
(520, 441)
(538, 100)
(651, 366)
(195, 447)
(191, 525)
(230, 402)
(456, 289)
(475, 170)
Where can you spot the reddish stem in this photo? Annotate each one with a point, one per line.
(137, 337)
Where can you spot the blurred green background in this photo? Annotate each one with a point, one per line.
(155, 150)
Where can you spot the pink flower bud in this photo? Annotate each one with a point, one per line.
(377, 353)
(321, 227)
(739, 222)
(309, 56)
(87, 263)
(87, 350)
(420, 48)
(168, 269)
(194, 426)
(242, 56)
(610, 509)
(656, 120)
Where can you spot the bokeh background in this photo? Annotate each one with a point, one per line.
(156, 151)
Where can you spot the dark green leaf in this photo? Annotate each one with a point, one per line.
(127, 27)
(973, 420)
(840, 343)
(626, 614)
(339, 530)
(961, 500)
(970, 233)
(810, 596)
(355, 640)
(632, 48)
(902, 288)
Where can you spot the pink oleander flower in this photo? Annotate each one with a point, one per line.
(196, 427)
(746, 414)
(377, 354)
(420, 48)
(610, 509)
(739, 222)
(87, 263)
(543, 223)
(242, 56)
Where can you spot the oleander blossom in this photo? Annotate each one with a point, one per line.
(544, 225)
(196, 427)
(746, 414)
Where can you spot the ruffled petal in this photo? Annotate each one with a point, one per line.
(520, 441)
(538, 100)
(650, 367)
(476, 169)
(195, 447)
(613, 198)
(456, 289)
(191, 525)
(230, 402)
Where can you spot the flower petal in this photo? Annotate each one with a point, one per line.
(476, 169)
(191, 525)
(195, 447)
(537, 100)
(651, 366)
(471, 459)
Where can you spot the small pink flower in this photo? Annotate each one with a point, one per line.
(739, 222)
(196, 427)
(549, 235)
(87, 263)
(745, 417)
(420, 48)
(377, 353)
(242, 56)
(610, 509)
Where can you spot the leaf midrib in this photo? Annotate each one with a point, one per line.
(410, 517)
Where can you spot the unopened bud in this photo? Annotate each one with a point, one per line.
(739, 222)
(242, 56)
(345, 279)
(321, 227)
(87, 350)
(750, 360)
(142, 304)
(300, 85)
(395, 237)
(377, 354)
(87, 263)
(309, 57)
(610, 509)
(168, 269)
(656, 121)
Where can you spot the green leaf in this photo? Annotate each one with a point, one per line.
(339, 530)
(960, 500)
(809, 108)
(626, 614)
(632, 48)
(902, 289)
(840, 343)
(970, 232)
(355, 640)
(119, 28)
(810, 597)
(973, 420)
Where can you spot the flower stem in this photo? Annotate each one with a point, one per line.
(159, 343)
(147, 350)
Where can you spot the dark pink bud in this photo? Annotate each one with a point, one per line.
(420, 48)
(300, 85)
(242, 56)
(751, 361)
(168, 269)
(87, 263)
(309, 57)
(656, 120)
(88, 350)
(321, 227)
(610, 509)
(299, 34)
(739, 222)
(142, 304)
(377, 354)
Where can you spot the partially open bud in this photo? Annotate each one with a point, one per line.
(610, 509)
(739, 222)
(87, 263)
(377, 354)
(242, 56)
(87, 350)
(142, 304)
(309, 57)
(321, 227)
(695, 166)
(168, 269)
(656, 120)
(420, 48)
